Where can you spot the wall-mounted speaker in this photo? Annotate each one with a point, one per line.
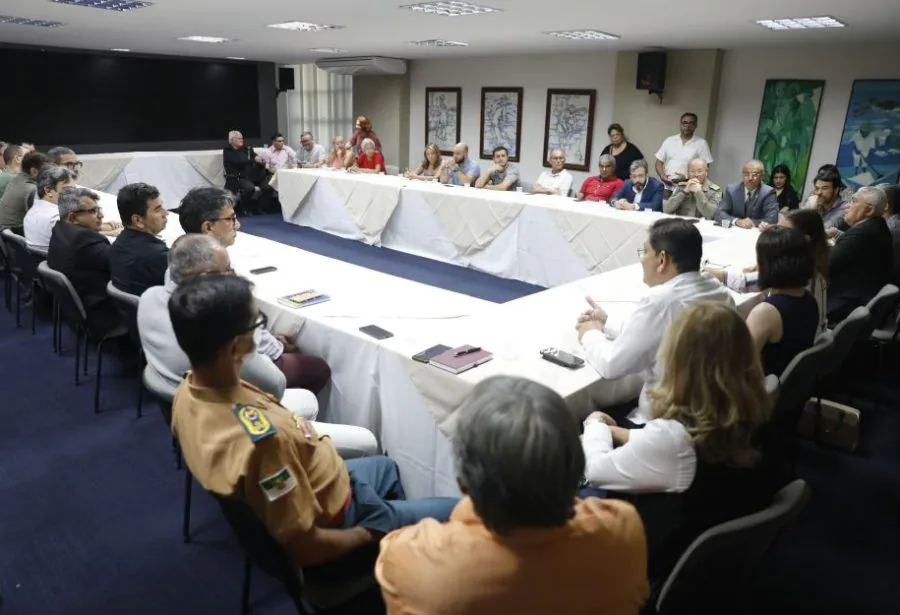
(651, 71)
(285, 79)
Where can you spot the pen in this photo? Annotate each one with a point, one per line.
(462, 353)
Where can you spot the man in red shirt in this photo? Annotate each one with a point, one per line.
(604, 186)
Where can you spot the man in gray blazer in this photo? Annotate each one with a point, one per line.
(749, 202)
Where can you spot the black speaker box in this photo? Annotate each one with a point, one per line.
(285, 79)
(651, 71)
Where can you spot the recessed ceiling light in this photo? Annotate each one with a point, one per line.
(205, 39)
(234, 58)
(584, 35)
(453, 8)
(107, 5)
(439, 42)
(120, 50)
(22, 21)
(801, 23)
(303, 26)
(328, 50)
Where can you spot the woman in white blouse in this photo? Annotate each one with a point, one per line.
(708, 407)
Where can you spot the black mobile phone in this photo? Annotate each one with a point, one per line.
(428, 354)
(555, 355)
(263, 270)
(377, 332)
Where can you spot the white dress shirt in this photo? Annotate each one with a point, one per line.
(658, 458)
(39, 222)
(677, 154)
(630, 346)
(561, 181)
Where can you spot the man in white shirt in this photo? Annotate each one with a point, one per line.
(677, 151)
(617, 347)
(312, 155)
(44, 214)
(557, 180)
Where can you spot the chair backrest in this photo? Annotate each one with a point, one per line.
(798, 381)
(127, 305)
(727, 554)
(880, 307)
(68, 301)
(846, 334)
(260, 547)
(22, 259)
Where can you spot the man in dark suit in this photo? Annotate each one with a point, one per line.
(244, 172)
(81, 253)
(749, 203)
(641, 191)
(862, 258)
(139, 259)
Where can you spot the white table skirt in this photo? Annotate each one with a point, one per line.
(540, 239)
(173, 173)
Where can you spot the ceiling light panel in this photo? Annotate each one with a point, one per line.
(120, 50)
(584, 35)
(205, 39)
(801, 23)
(120, 6)
(22, 21)
(453, 8)
(328, 50)
(303, 26)
(438, 42)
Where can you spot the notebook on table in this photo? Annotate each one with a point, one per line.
(460, 359)
(303, 299)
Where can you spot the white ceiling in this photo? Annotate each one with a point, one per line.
(379, 27)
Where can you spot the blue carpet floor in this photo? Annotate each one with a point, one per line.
(90, 505)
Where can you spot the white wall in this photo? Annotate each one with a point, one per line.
(744, 75)
(533, 73)
(385, 101)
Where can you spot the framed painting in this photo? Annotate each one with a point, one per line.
(443, 110)
(869, 153)
(569, 126)
(501, 121)
(787, 126)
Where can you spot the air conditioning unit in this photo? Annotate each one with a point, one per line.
(363, 66)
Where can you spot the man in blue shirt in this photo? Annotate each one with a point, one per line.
(460, 170)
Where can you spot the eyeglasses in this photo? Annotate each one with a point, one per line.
(261, 322)
(641, 252)
(92, 211)
(73, 165)
(232, 218)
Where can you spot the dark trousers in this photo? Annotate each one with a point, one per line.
(304, 372)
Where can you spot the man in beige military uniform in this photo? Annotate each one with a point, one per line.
(241, 443)
(697, 197)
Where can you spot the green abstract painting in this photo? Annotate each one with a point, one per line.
(787, 126)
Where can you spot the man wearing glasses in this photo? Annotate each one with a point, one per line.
(65, 157)
(617, 346)
(78, 250)
(677, 151)
(750, 202)
(557, 180)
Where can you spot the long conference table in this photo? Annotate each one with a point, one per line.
(410, 406)
(541, 239)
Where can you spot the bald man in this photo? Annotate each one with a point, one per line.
(557, 180)
(460, 170)
(749, 202)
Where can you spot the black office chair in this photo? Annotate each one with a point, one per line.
(23, 262)
(127, 305)
(7, 275)
(713, 574)
(69, 309)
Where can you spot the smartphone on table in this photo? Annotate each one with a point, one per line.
(560, 357)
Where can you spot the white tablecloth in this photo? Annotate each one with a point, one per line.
(541, 239)
(173, 173)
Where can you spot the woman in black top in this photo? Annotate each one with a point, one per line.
(780, 179)
(622, 150)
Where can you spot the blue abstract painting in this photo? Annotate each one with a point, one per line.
(869, 153)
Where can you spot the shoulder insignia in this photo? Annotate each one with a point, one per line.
(713, 186)
(254, 422)
(278, 484)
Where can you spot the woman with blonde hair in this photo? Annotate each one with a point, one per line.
(698, 454)
(430, 167)
(337, 157)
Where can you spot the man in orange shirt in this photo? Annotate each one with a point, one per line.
(520, 542)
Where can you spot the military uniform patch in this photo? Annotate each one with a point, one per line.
(254, 422)
(279, 484)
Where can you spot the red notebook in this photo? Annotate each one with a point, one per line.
(462, 358)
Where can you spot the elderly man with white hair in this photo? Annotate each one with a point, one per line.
(244, 170)
(697, 197)
(194, 255)
(557, 180)
(861, 261)
(749, 202)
